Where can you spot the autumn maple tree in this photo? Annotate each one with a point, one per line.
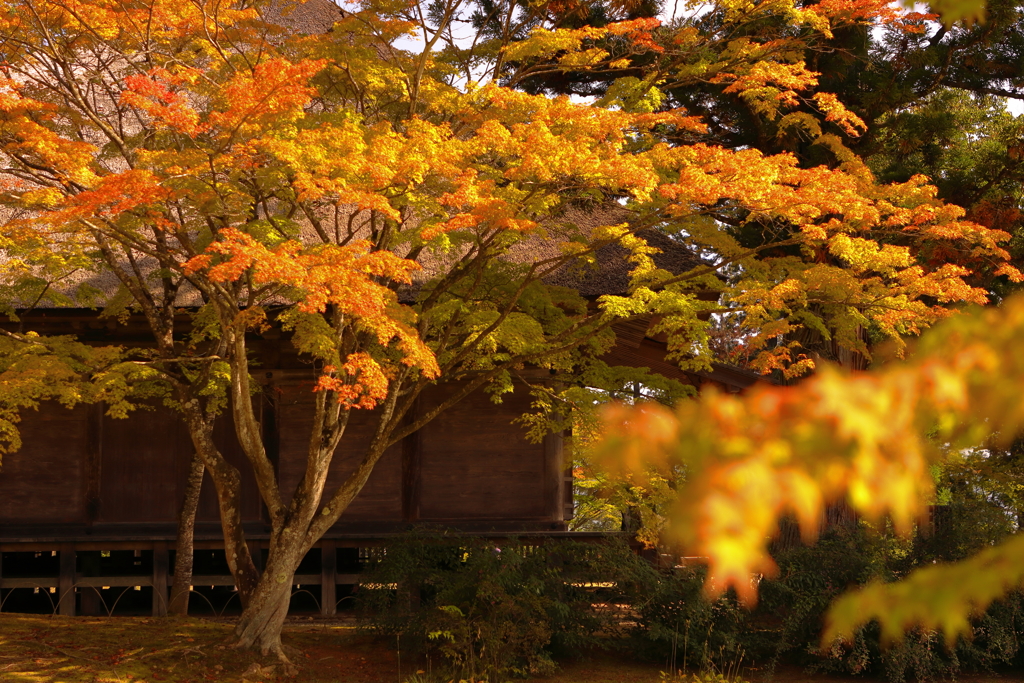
(375, 202)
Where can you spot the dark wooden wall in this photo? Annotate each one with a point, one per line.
(476, 463)
(81, 472)
(142, 467)
(471, 463)
(81, 467)
(48, 480)
(381, 498)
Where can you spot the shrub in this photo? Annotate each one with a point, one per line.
(812, 577)
(495, 610)
(677, 624)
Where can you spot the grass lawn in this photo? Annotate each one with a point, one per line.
(41, 649)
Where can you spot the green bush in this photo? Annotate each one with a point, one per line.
(495, 610)
(793, 606)
(787, 624)
(703, 677)
(677, 624)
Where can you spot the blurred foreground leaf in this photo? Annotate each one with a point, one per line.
(940, 597)
(869, 438)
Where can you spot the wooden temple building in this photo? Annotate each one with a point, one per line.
(89, 505)
(86, 489)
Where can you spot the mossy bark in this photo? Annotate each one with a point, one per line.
(260, 625)
(186, 534)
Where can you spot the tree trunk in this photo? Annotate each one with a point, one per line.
(183, 549)
(262, 620)
(228, 482)
(295, 528)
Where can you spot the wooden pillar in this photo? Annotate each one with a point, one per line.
(554, 478)
(568, 500)
(66, 583)
(412, 468)
(89, 603)
(328, 577)
(160, 570)
(90, 606)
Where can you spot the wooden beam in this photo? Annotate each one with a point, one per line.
(66, 582)
(160, 573)
(328, 578)
(114, 581)
(141, 581)
(568, 500)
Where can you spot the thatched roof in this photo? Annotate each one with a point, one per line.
(307, 18)
(609, 274)
(605, 271)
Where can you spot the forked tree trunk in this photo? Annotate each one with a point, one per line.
(307, 517)
(297, 526)
(260, 625)
(183, 549)
(261, 622)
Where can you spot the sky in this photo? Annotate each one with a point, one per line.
(678, 7)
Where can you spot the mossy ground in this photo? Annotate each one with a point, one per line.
(42, 649)
(39, 649)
